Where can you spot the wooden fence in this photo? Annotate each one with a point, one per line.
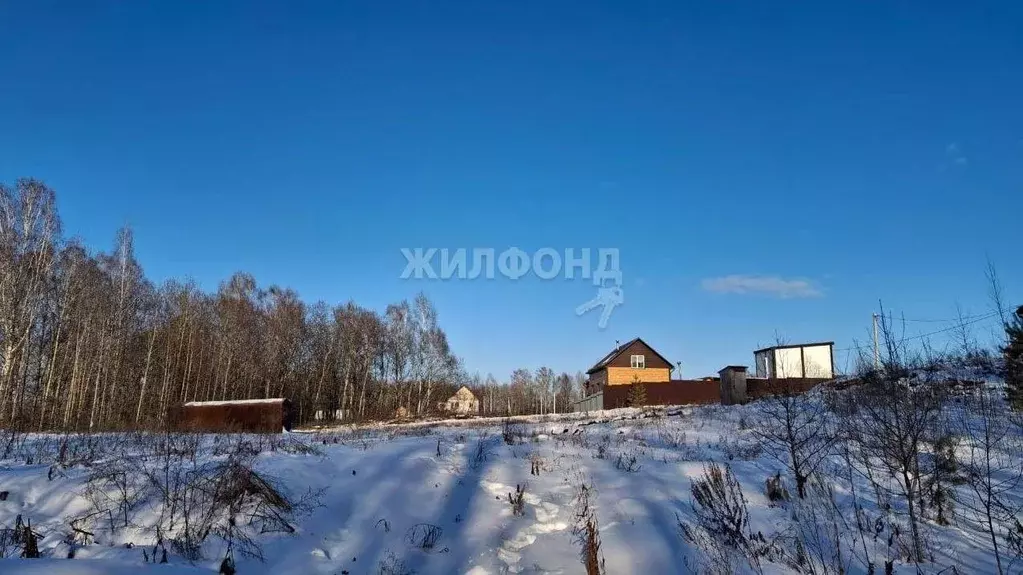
(701, 391)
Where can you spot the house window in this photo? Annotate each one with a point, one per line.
(638, 361)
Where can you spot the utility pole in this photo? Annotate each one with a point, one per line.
(877, 357)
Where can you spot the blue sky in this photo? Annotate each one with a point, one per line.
(871, 150)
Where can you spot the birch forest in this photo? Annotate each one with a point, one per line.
(88, 343)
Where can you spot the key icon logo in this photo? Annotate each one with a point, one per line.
(607, 298)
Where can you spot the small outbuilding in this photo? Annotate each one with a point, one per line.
(808, 360)
(235, 416)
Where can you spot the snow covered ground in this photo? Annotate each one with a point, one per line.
(381, 490)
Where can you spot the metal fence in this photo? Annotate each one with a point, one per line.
(594, 402)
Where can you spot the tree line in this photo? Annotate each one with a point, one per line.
(88, 342)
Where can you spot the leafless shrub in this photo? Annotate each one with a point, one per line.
(720, 506)
(775, 489)
(722, 526)
(291, 444)
(586, 532)
(7, 545)
(693, 452)
(898, 406)
(517, 501)
(193, 497)
(602, 447)
(671, 437)
(237, 445)
(794, 429)
(535, 464)
(1014, 540)
(12, 442)
(393, 565)
(480, 453)
(75, 449)
(991, 468)
(819, 530)
(511, 433)
(20, 540)
(891, 434)
(414, 431)
(938, 488)
(627, 463)
(741, 448)
(227, 566)
(423, 536)
(115, 486)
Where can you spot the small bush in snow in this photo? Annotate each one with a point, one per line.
(744, 450)
(227, 566)
(6, 542)
(480, 453)
(535, 464)
(423, 536)
(30, 543)
(627, 463)
(193, 497)
(775, 489)
(794, 428)
(393, 565)
(518, 501)
(512, 434)
(938, 486)
(722, 525)
(672, 438)
(20, 539)
(602, 447)
(819, 531)
(719, 505)
(587, 533)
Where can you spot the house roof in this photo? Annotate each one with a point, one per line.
(463, 393)
(794, 345)
(235, 402)
(620, 350)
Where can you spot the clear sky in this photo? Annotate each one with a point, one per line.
(873, 150)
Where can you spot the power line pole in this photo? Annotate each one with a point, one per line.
(877, 357)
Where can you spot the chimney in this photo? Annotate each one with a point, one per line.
(733, 384)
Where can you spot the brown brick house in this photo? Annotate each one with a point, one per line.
(637, 364)
(635, 361)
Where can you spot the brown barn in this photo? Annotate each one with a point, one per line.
(235, 416)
